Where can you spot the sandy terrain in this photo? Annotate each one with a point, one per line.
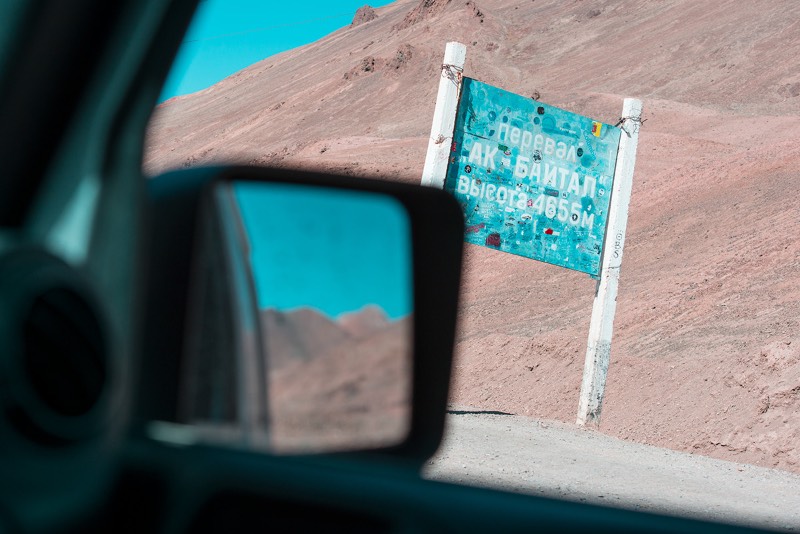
(706, 355)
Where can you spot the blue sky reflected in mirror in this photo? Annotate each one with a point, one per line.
(333, 250)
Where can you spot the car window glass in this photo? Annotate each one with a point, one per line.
(701, 400)
(11, 13)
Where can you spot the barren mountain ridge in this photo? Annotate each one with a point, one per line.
(706, 351)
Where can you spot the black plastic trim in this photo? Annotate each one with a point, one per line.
(437, 241)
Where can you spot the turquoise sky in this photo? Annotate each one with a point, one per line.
(328, 249)
(229, 35)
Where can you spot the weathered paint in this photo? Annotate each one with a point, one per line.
(444, 116)
(533, 180)
(601, 327)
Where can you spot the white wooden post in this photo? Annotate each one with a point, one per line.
(598, 349)
(444, 116)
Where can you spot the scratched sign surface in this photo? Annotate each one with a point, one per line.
(533, 180)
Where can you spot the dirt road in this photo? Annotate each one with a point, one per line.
(553, 459)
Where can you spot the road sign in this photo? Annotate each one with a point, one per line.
(540, 182)
(533, 180)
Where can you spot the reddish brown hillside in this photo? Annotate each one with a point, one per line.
(337, 385)
(706, 356)
(300, 335)
(363, 322)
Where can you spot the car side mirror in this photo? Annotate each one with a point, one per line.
(294, 312)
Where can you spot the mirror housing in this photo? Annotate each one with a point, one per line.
(178, 204)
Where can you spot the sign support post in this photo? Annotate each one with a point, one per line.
(598, 350)
(444, 116)
(552, 203)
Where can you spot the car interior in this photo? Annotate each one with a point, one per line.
(116, 291)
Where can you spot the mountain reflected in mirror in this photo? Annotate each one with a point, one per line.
(332, 271)
(337, 381)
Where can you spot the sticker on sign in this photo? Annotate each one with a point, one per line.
(533, 180)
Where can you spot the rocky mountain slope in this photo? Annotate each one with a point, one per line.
(706, 354)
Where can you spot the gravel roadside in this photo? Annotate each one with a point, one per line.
(553, 459)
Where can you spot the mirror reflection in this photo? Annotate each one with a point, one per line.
(332, 273)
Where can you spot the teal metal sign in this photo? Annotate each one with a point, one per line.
(533, 180)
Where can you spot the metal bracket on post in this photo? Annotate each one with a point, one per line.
(444, 116)
(598, 349)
